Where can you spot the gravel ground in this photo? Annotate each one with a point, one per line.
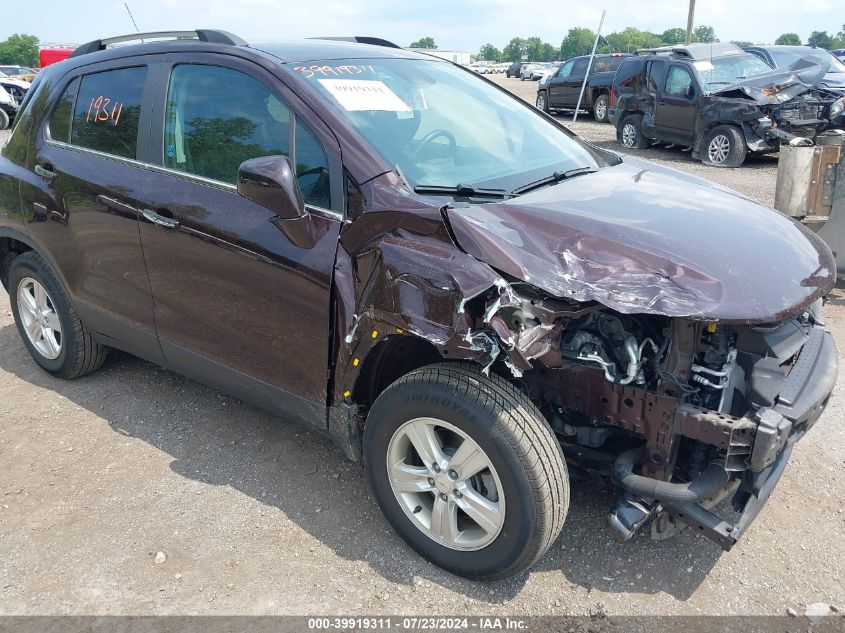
(136, 491)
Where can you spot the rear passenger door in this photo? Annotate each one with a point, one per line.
(87, 156)
(242, 296)
(675, 112)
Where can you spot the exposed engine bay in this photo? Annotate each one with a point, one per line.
(676, 414)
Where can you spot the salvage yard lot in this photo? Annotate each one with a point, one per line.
(254, 515)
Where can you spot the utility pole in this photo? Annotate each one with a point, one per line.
(690, 21)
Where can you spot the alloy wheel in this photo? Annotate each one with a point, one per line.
(629, 135)
(601, 109)
(719, 149)
(39, 318)
(541, 102)
(446, 484)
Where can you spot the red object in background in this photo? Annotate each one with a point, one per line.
(49, 56)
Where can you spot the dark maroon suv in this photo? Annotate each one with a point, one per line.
(463, 294)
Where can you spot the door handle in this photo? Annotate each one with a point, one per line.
(157, 218)
(45, 171)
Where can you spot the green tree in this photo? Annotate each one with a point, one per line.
(19, 49)
(630, 40)
(534, 48)
(705, 34)
(578, 41)
(789, 39)
(514, 51)
(839, 42)
(424, 42)
(490, 52)
(820, 39)
(674, 36)
(549, 52)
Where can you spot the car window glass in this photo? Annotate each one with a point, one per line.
(59, 127)
(217, 118)
(580, 66)
(108, 108)
(312, 168)
(678, 81)
(606, 64)
(566, 69)
(655, 73)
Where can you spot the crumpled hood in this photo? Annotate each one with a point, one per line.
(778, 85)
(640, 238)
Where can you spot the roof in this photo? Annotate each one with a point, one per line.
(315, 50)
(696, 51)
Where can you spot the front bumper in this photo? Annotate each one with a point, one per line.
(799, 405)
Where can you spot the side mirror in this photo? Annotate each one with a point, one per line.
(271, 182)
(689, 91)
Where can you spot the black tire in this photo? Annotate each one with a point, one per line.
(724, 146)
(543, 101)
(601, 109)
(4, 119)
(514, 435)
(637, 140)
(80, 353)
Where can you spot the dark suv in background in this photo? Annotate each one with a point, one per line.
(560, 90)
(409, 259)
(720, 101)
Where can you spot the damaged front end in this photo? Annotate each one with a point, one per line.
(785, 106)
(675, 347)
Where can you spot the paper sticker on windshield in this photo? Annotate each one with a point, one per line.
(356, 95)
(703, 65)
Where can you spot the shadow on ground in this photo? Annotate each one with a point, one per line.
(220, 441)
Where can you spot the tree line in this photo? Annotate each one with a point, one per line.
(579, 41)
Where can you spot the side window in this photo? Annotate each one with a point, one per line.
(217, 118)
(678, 81)
(108, 108)
(566, 69)
(59, 127)
(654, 76)
(580, 66)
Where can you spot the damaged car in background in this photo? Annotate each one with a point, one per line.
(722, 102)
(463, 294)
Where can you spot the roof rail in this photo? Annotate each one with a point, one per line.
(203, 35)
(361, 39)
(664, 50)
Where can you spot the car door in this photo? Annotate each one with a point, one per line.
(556, 84)
(242, 296)
(571, 87)
(675, 109)
(88, 155)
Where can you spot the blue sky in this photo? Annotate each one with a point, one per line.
(456, 24)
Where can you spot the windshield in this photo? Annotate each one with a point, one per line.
(442, 126)
(787, 58)
(717, 72)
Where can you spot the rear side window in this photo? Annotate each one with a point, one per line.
(607, 64)
(107, 111)
(62, 115)
(654, 77)
(217, 118)
(580, 66)
(626, 75)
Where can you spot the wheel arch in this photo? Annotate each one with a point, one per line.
(12, 244)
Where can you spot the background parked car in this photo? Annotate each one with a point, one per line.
(561, 90)
(532, 71)
(839, 53)
(785, 56)
(19, 72)
(8, 108)
(720, 101)
(513, 69)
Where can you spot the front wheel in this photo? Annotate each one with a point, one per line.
(542, 101)
(4, 119)
(466, 470)
(724, 146)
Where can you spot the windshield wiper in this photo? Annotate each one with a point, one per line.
(555, 178)
(461, 190)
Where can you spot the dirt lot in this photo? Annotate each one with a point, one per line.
(256, 516)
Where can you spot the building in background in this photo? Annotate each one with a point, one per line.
(459, 57)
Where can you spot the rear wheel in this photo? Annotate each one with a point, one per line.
(47, 322)
(542, 101)
(600, 109)
(724, 146)
(466, 470)
(630, 132)
(4, 119)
